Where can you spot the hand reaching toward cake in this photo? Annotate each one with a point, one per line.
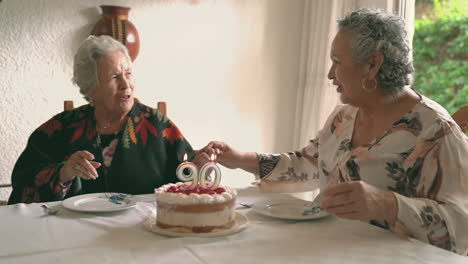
(200, 158)
(225, 155)
(230, 157)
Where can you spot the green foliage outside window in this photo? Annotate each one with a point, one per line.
(441, 56)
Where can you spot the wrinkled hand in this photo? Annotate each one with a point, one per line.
(79, 164)
(225, 155)
(360, 201)
(200, 158)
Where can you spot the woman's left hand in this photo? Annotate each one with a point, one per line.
(358, 200)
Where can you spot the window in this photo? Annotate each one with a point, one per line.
(440, 53)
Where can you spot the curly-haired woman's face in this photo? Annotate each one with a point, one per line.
(346, 74)
(115, 86)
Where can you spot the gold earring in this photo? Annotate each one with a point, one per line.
(365, 89)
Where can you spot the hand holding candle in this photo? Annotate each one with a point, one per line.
(205, 172)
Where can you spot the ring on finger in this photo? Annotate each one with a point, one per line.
(77, 167)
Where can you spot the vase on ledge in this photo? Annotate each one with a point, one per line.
(114, 22)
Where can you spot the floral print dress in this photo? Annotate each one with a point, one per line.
(423, 159)
(142, 156)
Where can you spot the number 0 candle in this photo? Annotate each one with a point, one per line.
(206, 171)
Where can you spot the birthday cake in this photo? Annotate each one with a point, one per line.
(197, 210)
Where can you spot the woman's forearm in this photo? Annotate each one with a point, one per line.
(391, 208)
(248, 161)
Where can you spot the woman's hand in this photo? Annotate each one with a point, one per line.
(225, 155)
(200, 158)
(79, 164)
(231, 158)
(360, 201)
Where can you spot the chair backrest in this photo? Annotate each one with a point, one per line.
(4, 202)
(461, 117)
(162, 108)
(68, 105)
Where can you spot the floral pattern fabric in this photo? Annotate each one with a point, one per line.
(423, 159)
(143, 156)
(108, 152)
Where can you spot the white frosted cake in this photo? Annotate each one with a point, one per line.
(195, 210)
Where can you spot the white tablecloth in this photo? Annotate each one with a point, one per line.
(27, 235)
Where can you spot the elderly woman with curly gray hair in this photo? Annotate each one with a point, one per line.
(112, 144)
(387, 155)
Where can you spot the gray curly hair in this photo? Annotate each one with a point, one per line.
(85, 72)
(376, 30)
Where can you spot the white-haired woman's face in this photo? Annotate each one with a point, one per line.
(346, 74)
(115, 84)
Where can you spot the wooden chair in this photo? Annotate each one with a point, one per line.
(4, 202)
(68, 105)
(461, 117)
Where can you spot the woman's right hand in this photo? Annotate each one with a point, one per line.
(231, 158)
(225, 155)
(79, 164)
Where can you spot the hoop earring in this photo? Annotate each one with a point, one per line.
(365, 89)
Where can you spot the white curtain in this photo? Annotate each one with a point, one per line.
(316, 96)
(406, 9)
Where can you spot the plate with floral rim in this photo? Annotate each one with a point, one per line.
(290, 209)
(100, 202)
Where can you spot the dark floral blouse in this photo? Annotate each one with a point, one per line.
(143, 156)
(423, 159)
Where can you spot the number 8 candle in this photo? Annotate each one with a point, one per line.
(192, 172)
(205, 172)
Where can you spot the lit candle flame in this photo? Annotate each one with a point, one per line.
(185, 157)
(213, 157)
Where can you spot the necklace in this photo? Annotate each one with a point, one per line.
(99, 131)
(103, 127)
(113, 131)
(102, 124)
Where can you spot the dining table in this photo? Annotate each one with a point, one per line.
(29, 234)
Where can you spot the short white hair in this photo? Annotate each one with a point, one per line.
(85, 72)
(377, 30)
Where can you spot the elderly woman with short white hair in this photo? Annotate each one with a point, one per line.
(112, 144)
(388, 155)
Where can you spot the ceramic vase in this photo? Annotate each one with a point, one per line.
(114, 22)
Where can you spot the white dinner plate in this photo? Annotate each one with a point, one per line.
(100, 202)
(289, 208)
(240, 224)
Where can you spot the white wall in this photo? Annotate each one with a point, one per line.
(227, 68)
